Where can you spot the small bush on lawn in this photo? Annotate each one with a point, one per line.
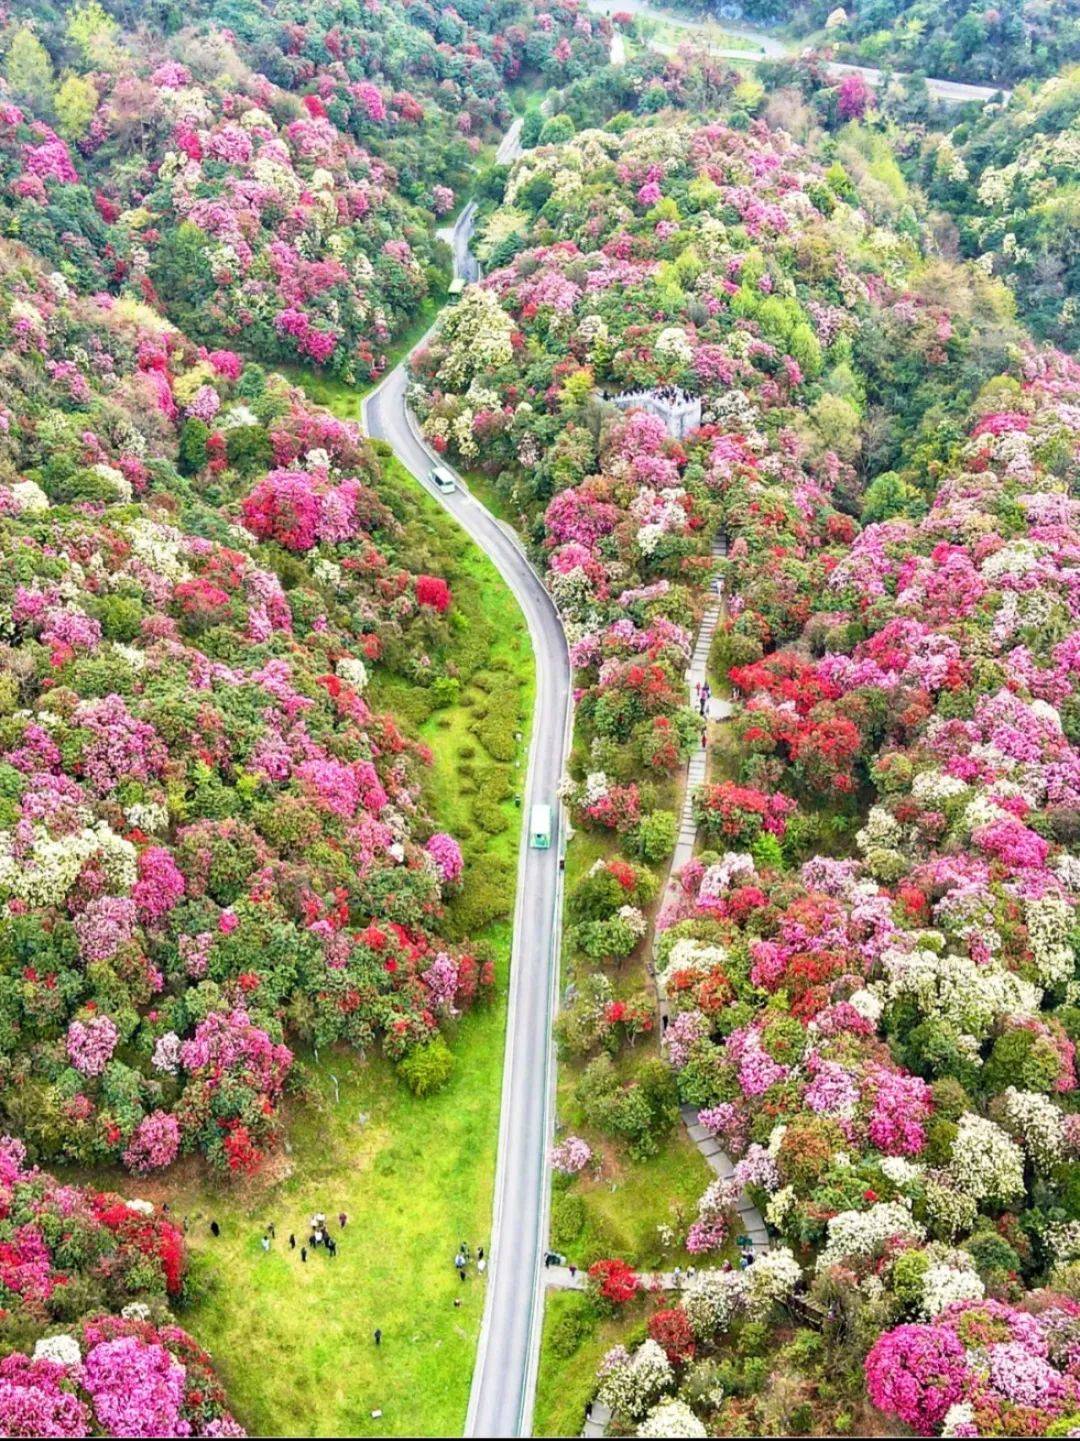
(570, 1331)
(428, 1069)
(567, 1221)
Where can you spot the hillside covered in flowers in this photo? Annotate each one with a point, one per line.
(226, 619)
(211, 842)
(869, 965)
(264, 175)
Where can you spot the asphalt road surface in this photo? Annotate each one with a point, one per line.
(504, 1379)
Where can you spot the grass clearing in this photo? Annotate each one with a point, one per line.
(294, 1342)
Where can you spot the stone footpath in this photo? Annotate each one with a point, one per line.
(559, 1277)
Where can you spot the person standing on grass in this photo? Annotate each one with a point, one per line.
(266, 1243)
(215, 1229)
(292, 1241)
(342, 1218)
(303, 1254)
(378, 1336)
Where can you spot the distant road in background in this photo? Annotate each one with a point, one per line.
(769, 47)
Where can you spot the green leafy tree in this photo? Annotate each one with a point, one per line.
(76, 101)
(28, 69)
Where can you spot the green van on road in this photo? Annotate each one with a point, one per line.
(540, 828)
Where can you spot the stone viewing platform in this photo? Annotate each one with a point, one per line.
(680, 412)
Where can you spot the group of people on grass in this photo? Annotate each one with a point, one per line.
(318, 1235)
(464, 1257)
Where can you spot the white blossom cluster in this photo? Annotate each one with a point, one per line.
(1049, 925)
(713, 1299)
(1036, 1123)
(986, 1164)
(956, 989)
(630, 1384)
(354, 672)
(858, 1235)
(671, 1418)
(43, 875)
(62, 1348)
(948, 1281)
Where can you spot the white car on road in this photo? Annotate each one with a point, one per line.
(443, 480)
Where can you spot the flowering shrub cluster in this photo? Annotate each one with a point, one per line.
(114, 1376)
(982, 1369)
(103, 1271)
(274, 181)
(207, 835)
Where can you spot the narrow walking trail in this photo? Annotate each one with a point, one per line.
(559, 1278)
(719, 710)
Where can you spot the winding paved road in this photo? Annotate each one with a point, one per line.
(949, 92)
(504, 1380)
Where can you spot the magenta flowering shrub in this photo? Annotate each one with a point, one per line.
(446, 855)
(136, 1388)
(917, 1373)
(195, 792)
(154, 1145)
(134, 1379)
(36, 1399)
(982, 1369)
(90, 1044)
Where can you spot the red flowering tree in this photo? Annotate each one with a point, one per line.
(432, 591)
(613, 1282)
(672, 1330)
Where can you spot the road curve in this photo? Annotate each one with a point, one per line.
(504, 1379)
(949, 92)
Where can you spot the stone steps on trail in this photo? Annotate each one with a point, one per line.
(598, 1421)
